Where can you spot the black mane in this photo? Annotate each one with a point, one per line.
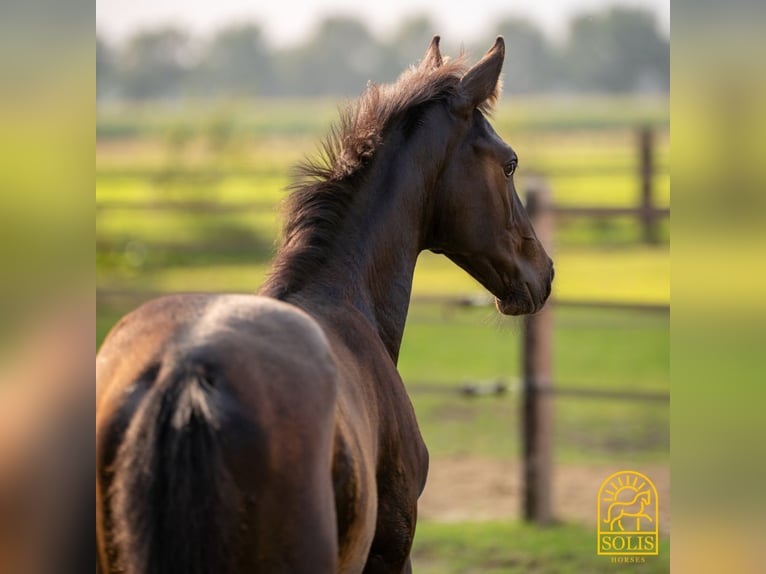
(323, 188)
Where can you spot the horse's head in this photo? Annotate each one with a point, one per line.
(477, 219)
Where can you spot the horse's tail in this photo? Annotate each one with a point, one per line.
(175, 505)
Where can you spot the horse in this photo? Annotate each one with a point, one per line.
(633, 508)
(271, 432)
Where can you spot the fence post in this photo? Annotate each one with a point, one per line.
(537, 407)
(646, 173)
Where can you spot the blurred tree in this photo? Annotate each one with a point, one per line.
(338, 60)
(618, 50)
(156, 64)
(409, 43)
(237, 62)
(531, 64)
(105, 68)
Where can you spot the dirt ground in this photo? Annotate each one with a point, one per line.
(472, 488)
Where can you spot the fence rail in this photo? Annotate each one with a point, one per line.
(577, 211)
(214, 208)
(203, 173)
(484, 301)
(188, 206)
(107, 297)
(503, 387)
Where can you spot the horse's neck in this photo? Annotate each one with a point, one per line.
(372, 265)
(386, 268)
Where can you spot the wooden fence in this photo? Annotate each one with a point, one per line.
(537, 353)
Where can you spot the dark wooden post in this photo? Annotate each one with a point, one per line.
(537, 407)
(646, 173)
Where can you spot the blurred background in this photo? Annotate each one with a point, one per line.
(201, 111)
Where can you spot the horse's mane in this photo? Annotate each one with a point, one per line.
(323, 187)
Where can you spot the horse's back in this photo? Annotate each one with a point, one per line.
(228, 324)
(260, 376)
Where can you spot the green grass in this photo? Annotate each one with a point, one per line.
(639, 274)
(261, 118)
(264, 118)
(252, 170)
(631, 273)
(509, 547)
(623, 351)
(155, 186)
(597, 349)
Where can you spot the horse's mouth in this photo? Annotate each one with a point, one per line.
(524, 299)
(518, 304)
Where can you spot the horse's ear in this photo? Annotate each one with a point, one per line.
(482, 82)
(433, 57)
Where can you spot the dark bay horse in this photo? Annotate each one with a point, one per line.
(272, 432)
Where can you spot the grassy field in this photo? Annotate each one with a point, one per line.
(232, 161)
(301, 117)
(509, 548)
(607, 350)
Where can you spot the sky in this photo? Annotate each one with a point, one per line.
(289, 22)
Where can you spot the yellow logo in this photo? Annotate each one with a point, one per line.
(627, 515)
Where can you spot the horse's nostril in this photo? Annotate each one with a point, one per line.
(553, 272)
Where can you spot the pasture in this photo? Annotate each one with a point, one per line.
(188, 200)
(498, 548)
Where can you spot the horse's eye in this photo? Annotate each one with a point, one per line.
(510, 167)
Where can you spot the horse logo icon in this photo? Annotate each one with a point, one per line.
(627, 515)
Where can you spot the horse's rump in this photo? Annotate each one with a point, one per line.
(221, 446)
